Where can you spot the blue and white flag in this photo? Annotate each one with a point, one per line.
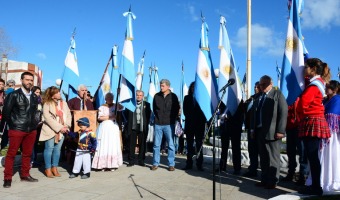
(205, 81)
(140, 72)
(127, 93)
(183, 93)
(114, 72)
(103, 90)
(228, 71)
(292, 73)
(152, 89)
(70, 80)
(156, 79)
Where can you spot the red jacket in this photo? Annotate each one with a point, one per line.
(293, 119)
(310, 103)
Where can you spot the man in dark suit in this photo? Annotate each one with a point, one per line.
(77, 103)
(269, 126)
(194, 128)
(252, 146)
(137, 127)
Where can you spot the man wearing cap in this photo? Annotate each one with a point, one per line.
(87, 144)
(19, 112)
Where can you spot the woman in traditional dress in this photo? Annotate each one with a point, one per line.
(330, 148)
(108, 156)
(57, 121)
(313, 126)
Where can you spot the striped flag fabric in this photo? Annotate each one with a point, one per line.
(127, 93)
(292, 72)
(228, 71)
(205, 81)
(70, 80)
(140, 72)
(183, 93)
(152, 89)
(103, 90)
(114, 72)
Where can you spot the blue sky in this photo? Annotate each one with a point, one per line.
(169, 31)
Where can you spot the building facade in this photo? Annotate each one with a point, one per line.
(12, 70)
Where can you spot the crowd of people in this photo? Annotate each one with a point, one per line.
(310, 124)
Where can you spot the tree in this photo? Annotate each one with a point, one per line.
(6, 46)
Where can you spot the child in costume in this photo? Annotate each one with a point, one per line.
(87, 144)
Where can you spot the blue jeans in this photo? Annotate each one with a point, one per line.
(168, 131)
(52, 153)
(176, 140)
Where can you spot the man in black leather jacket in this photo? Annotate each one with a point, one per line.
(18, 112)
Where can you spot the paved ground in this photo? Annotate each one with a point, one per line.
(141, 183)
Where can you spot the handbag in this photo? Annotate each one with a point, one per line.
(178, 129)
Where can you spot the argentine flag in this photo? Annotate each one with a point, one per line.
(139, 77)
(227, 71)
(127, 93)
(183, 93)
(205, 91)
(114, 72)
(103, 90)
(152, 90)
(292, 74)
(70, 79)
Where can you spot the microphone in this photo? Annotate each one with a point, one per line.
(230, 82)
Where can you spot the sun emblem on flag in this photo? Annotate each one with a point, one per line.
(291, 44)
(227, 69)
(106, 87)
(205, 73)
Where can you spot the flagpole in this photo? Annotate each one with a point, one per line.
(248, 92)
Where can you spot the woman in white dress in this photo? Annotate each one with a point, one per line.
(330, 148)
(108, 155)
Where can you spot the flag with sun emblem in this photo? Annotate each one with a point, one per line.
(227, 71)
(103, 90)
(292, 74)
(70, 80)
(205, 91)
(127, 93)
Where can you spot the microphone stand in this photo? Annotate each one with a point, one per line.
(205, 134)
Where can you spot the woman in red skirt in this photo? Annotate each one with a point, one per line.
(313, 125)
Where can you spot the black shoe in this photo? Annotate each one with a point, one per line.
(250, 174)
(130, 165)
(309, 190)
(73, 175)
(221, 169)
(200, 168)
(187, 167)
(237, 172)
(29, 179)
(289, 177)
(141, 164)
(301, 181)
(7, 183)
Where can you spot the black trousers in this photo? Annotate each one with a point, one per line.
(312, 148)
(141, 142)
(253, 154)
(230, 133)
(196, 137)
(295, 147)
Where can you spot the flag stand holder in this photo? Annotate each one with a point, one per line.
(212, 122)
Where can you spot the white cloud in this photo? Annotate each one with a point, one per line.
(42, 56)
(192, 13)
(264, 40)
(321, 14)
